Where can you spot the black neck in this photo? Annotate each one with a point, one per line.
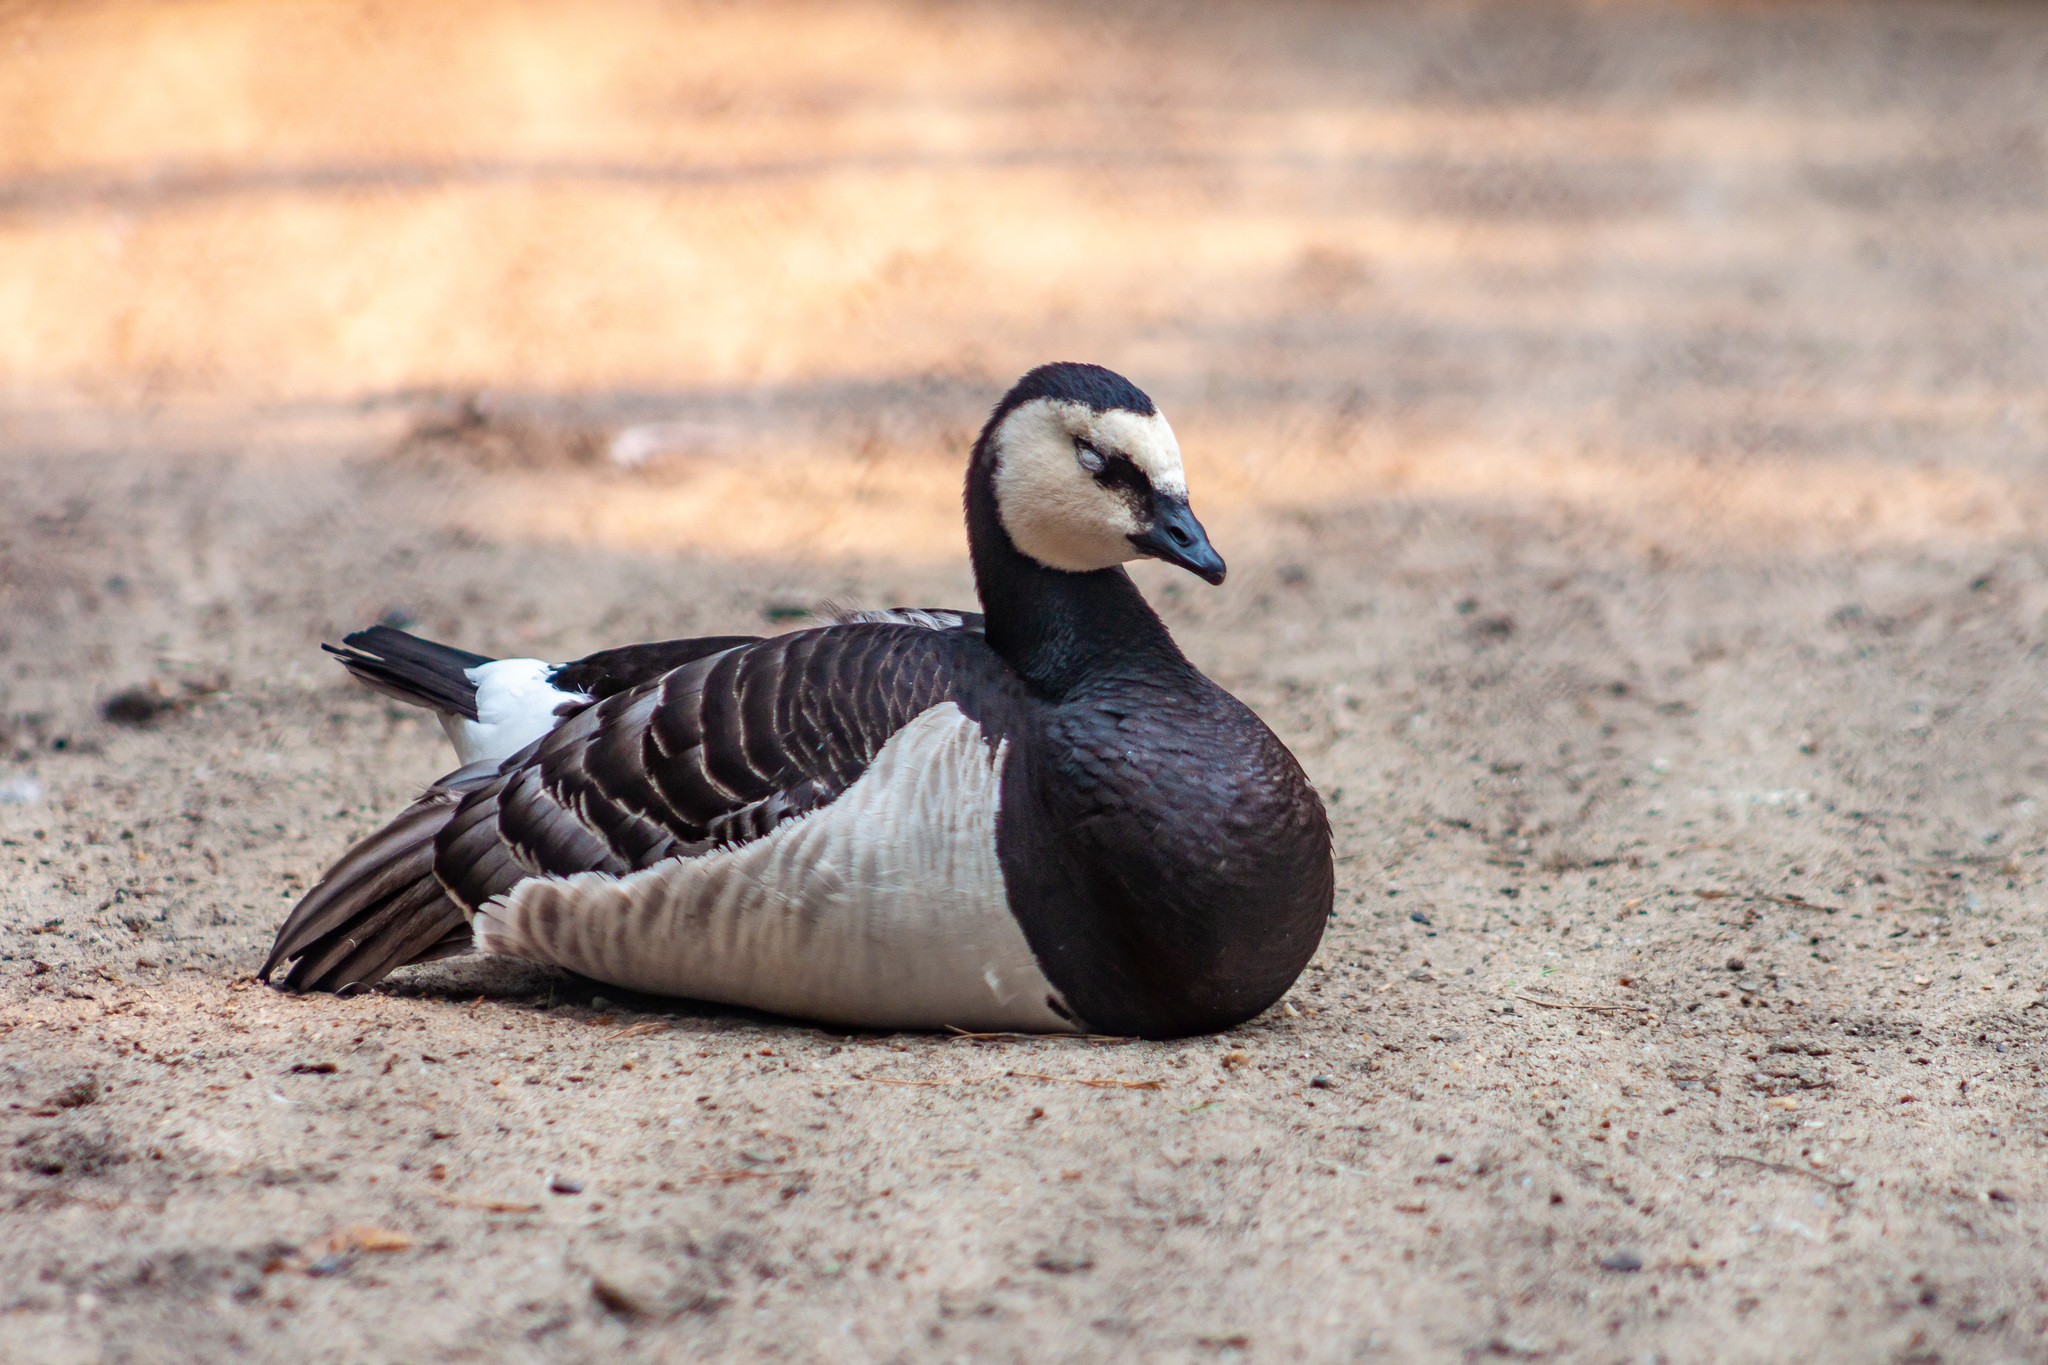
(1059, 630)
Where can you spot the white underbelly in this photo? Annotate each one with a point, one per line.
(886, 909)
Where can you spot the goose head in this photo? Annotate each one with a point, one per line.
(1086, 474)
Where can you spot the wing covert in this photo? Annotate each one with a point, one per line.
(714, 753)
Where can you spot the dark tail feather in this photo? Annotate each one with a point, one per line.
(380, 907)
(411, 670)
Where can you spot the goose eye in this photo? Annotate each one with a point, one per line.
(1089, 458)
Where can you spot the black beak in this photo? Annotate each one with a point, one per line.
(1176, 537)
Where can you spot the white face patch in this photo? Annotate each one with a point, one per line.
(1051, 504)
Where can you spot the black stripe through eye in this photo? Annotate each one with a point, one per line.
(1121, 475)
(1121, 472)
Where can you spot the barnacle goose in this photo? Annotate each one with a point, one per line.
(1042, 818)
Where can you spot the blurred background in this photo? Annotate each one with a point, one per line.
(1750, 271)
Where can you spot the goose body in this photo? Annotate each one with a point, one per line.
(1043, 818)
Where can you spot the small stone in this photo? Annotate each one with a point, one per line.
(1735, 964)
(1064, 1262)
(136, 706)
(562, 1184)
(78, 1094)
(1418, 917)
(617, 1299)
(1626, 1262)
(1321, 1083)
(1420, 974)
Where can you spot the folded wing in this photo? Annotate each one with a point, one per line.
(713, 754)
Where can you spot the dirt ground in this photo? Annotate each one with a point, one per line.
(1628, 429)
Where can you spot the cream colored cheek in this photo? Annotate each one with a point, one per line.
(1113, 514)
(1073, 529)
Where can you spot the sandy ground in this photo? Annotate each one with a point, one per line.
(1629, 431)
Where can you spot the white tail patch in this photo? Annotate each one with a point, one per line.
(515, 705)
(886, 909)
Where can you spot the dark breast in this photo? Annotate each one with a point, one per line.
(1167, 857)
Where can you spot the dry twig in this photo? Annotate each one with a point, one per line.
(1796, 902)
(1779, 1166)
(1800, 903)
(1086, 1080)
(963, 1036)
(456, 1201)
(359, 1237)
(1593, 1009)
